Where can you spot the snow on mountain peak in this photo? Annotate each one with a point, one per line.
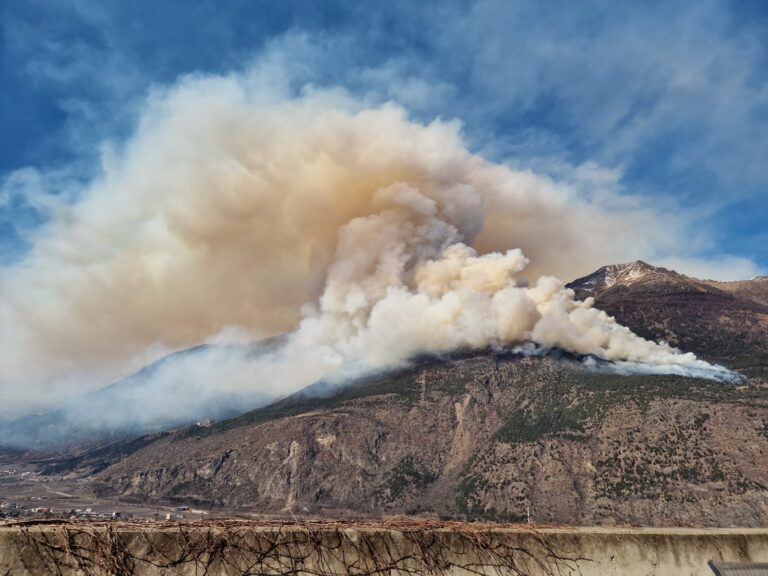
(616, 274)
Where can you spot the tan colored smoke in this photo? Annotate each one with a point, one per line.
(373, 235)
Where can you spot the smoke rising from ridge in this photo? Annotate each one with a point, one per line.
(367, 236)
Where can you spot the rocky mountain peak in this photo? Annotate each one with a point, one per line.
(625, 274)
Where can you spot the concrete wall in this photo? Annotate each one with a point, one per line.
(187, 549)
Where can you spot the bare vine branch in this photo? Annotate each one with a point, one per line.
(403, 546)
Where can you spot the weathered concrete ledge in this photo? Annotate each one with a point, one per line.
(405, 547)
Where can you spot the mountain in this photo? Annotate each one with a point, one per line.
(724, 322)
(486, 435)
(755, 289)
(135, 405)
(496, 435)
(638, 274)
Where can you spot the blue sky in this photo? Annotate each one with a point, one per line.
(669, 98)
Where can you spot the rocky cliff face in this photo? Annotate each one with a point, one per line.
(484, 436)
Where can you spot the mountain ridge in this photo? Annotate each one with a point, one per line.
(640, 272)
(92, 420)
(725, 323)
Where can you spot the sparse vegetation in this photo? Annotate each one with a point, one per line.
(408, 475)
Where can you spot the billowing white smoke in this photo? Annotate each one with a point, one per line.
(368, 236)
(404, 281)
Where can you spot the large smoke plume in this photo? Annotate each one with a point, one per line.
(367, 236)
